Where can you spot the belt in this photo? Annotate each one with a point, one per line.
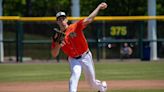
(78, 57)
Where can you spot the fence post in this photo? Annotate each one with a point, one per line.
(140, 40)
(19, 41)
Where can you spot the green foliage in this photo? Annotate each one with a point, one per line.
(51, 7)
(127, 7)
(13, 7)
(34, 7)
(160, 10)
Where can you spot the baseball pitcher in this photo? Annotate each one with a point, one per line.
(72, 41)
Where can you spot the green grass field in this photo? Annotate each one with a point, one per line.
(104, 71)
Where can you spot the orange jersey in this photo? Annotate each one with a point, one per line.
(75, 40)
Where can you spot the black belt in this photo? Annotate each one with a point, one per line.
(78, 57)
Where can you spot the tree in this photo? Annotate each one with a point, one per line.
(51, 7)
(35, 7)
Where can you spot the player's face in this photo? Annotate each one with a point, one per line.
(62, 18)
(62, 21)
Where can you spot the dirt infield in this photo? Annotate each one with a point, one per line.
(62, 86)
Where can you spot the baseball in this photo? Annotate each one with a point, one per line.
(109, 46)
(103, 5)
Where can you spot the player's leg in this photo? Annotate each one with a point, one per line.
(89, 72)
(75, 68)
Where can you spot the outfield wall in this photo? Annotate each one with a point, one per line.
(31, 36)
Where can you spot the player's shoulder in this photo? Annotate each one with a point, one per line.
(71, 25)
(76, 24)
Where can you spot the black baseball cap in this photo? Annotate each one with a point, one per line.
(60, 14)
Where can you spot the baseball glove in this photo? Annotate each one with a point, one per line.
(58, 36)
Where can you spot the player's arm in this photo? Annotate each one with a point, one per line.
(55, 50)
(58, 42)
(91, 17)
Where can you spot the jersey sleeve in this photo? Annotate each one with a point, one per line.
(80, 25)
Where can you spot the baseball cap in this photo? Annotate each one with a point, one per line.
(59, 14)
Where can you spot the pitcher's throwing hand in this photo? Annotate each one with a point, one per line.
(103, 6)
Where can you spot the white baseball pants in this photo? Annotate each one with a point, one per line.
(85, 63)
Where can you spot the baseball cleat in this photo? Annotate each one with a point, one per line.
(104, 84)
